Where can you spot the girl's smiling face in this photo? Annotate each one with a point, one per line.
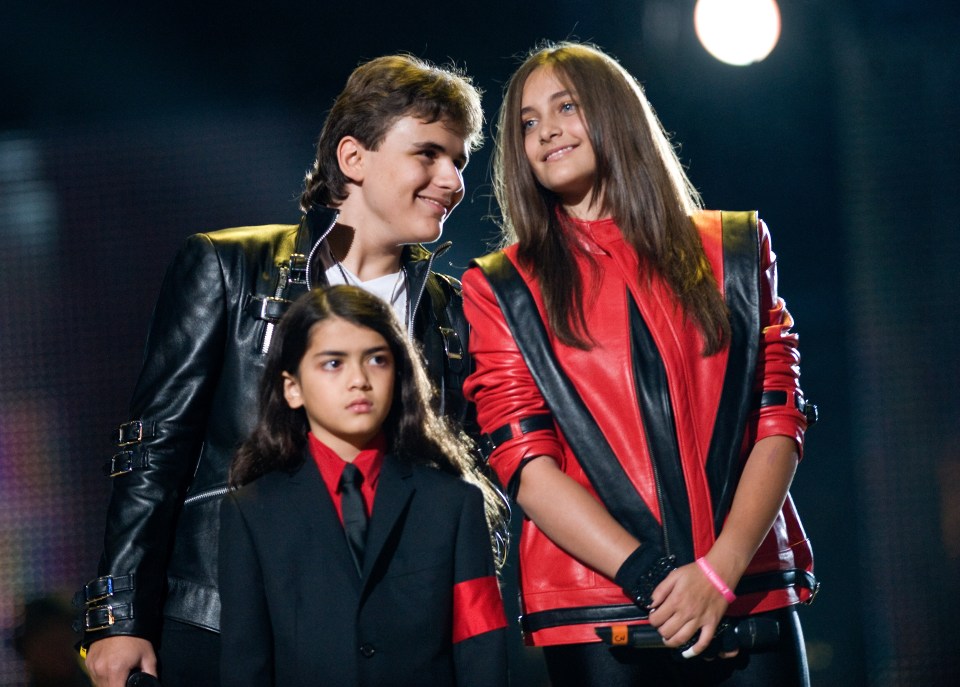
(344, 384)
(557, 144)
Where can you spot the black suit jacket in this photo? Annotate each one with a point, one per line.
(295, 612)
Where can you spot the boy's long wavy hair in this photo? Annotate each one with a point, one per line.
(639, 180)
(414, 431)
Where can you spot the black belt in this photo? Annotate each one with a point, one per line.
(780, 579)
(530, 423)
(781, 398)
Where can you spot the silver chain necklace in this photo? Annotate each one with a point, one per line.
(349, 278)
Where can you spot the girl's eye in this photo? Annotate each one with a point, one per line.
(527, 124)
(568, 107)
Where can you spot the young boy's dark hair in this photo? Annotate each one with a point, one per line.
(377, 94)
(414, 431)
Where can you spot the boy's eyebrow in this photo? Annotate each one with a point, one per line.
(433, 145)
(376, 349)
(340, 354)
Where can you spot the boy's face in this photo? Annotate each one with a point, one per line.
(344, 384)
(406, 189)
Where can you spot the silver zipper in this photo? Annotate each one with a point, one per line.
(316, 245)
(663, 517)
(281, 287)
(205, 495)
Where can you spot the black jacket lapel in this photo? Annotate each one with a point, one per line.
(394, 491)
(315, 510)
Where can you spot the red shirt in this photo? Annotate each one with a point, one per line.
(368, 461)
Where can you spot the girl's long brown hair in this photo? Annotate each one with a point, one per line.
(640, 183)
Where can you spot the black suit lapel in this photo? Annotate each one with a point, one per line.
(315, 512)
(394, 491)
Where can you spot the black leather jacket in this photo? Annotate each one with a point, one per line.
(196, 400)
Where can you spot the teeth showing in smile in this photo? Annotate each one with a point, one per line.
(436, 203)
(558, 153)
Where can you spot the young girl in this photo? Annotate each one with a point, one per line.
(651, 425)
(311, 592)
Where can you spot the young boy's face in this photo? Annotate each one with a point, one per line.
(344, 384)
(408, 187)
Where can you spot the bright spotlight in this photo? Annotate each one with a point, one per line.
(738, 32)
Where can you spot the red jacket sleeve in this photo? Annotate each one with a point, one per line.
(778, 362)
(501, 385)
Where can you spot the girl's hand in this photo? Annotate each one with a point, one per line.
(683, 604)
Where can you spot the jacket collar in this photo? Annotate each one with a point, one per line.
(416, 259)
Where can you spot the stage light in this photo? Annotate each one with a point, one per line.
(738, 32)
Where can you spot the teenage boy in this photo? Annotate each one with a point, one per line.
(387, 175)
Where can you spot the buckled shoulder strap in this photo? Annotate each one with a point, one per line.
(580, 429)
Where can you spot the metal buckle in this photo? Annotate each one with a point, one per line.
(267, 300)
(123, 439)
(298, 269)
(124, 458)
(107, 592)
(813, 594)
(107, 622)
(808, 410)
(449, 334)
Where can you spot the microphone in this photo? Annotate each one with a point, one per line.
(732, 634)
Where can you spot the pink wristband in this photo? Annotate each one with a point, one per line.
(716, 581)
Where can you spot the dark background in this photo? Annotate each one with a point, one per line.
(124, 127)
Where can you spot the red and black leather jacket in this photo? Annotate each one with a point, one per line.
(661, 405)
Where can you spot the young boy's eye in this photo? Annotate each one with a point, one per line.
(380, 360)
(332, 364)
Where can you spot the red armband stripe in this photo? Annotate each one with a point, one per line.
(477, 608)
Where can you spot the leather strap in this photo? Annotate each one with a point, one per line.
(779, 579)
(136, 458)
(582, 615)
(530, 423)
(780, 398)
(106, 586)
(134, 432)
(267, 308)
(102, 617)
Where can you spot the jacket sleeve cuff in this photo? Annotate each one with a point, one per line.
(509, 458)
(781, 422)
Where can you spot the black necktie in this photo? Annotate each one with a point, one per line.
(354, 513)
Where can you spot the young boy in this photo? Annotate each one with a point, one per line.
(387, 175)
